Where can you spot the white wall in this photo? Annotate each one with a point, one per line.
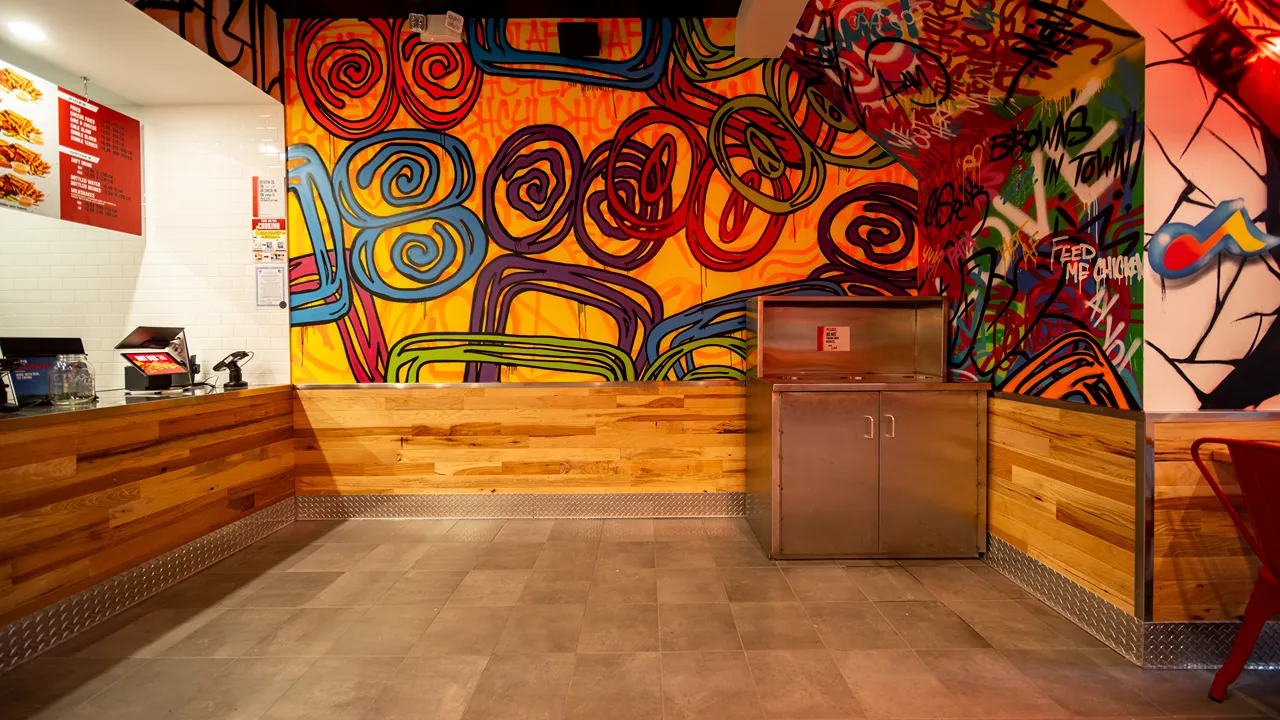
(193, 267)
(1206, 324)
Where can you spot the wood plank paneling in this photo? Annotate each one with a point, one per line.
(87, 495)
(1061, 488)
(553, 439)
(1203, 569)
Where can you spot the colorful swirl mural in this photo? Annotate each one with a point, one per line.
(491, 211)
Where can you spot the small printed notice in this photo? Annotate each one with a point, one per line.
(268, 197)
(270, 282)
(270, 242)
(834, 338)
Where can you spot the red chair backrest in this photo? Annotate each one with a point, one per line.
(1257, 468)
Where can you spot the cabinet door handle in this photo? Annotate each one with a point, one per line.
(893, 427)
(871, 426)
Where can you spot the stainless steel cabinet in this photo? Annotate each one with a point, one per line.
(893, 474)
(928, 473)
(829, 479)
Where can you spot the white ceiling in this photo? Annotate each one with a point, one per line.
(122, 50)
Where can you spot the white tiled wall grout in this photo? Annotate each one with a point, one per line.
(193, 267)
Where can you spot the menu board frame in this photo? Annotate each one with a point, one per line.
(65, 156)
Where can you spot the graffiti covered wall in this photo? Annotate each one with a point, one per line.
(492, 211)
(1213, 203)
(1023, 120)
(1036, 233)
(245, 36)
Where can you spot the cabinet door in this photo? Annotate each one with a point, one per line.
(828, 475)
(929, 474)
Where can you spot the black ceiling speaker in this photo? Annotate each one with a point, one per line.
(579, 39)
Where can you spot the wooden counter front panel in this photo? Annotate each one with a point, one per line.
(661, 438)
(87, 495)
(1061, 488)
(1203, 569)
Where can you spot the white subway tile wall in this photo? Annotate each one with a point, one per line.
(193, 267)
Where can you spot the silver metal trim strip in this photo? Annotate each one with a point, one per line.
(27, 637)
(984, 470)
(1144, 520)
(1067, 405)
(547, 385)
(1172, 416)
(523, 505)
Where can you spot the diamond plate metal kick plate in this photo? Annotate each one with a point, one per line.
(1108, 623)
(24, 639)
(1204, 645)
(1154, 645)
(523, 505)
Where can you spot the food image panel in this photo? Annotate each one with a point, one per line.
(22, 160)
(30, 161)
(19, 85)
(23, 192)
(18, 126)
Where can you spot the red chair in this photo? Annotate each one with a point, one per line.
(1257, 466)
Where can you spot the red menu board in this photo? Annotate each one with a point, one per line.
(101, 165)
(65, 156)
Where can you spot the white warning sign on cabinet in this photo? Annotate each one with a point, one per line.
(834, 338)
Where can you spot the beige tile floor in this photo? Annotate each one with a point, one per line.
(584, 619)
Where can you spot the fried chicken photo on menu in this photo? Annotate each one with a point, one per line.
(19, 85)
(14, 125)
(24, 191)
(22, 160)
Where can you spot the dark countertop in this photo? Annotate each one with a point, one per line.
(116, 402)
(106, 399)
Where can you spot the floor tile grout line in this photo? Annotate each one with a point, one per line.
(916, 652)
(144, 663)
(381, 689)
(736, 629)
(1003, 653)
(282, 694)
(662, 672)
(827, 648)
(755, 686)
(568, 689)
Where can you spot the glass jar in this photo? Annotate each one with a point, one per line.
(71, 380)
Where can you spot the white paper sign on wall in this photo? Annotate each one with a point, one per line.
(834, 338)
(270, 286)
(268, 197)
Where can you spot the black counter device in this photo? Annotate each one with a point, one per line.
(156, 358)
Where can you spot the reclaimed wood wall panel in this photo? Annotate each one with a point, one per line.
(551, 439)
(87, 495)
(1061, 487)
(1203, 569)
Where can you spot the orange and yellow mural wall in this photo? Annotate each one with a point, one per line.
(492, 211)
